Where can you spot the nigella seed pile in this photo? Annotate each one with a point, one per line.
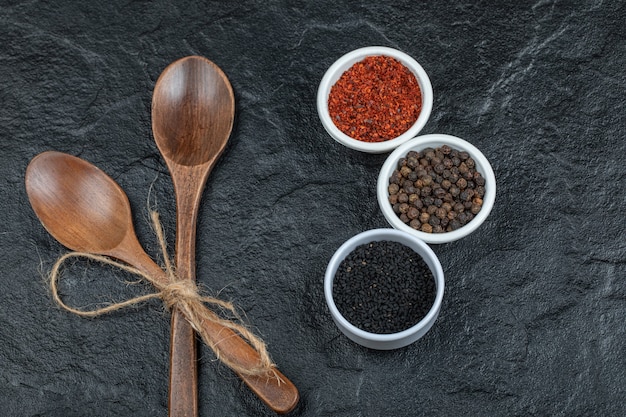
(436, 190)
(383, 287)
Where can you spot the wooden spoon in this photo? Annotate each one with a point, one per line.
(193, 108)
(87, 211)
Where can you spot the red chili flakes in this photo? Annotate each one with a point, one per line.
(375, 100)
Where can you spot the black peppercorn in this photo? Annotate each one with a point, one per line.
(432, 179)
(439, 193)
(479, 179)
(395, 178)
(454, 224)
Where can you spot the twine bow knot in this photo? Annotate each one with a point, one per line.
(177, 293)
(179, 290)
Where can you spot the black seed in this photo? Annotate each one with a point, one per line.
(383, 287)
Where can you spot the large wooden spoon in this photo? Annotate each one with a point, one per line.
(87, 211)
(193, 108)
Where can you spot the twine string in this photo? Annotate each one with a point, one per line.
(181, 294)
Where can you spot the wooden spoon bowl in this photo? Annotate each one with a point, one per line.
(79, 205)
(193, 109)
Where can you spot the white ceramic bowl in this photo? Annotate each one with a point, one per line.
(393, 340)
(343, 64)
(434, 141)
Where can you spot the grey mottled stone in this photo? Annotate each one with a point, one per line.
(533, 320)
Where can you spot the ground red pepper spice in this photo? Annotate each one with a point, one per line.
(375, 100)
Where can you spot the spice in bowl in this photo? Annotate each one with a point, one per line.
(375, 100)
(379, 275)
(383, 287)
(436, 190)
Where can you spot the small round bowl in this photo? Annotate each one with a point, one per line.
(343, 64)
(393, 340)
(434, 141)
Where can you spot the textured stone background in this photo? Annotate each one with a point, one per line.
(533, 320)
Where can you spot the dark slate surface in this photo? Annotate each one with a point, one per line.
(533, 320)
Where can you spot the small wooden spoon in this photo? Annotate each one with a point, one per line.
(87, 211)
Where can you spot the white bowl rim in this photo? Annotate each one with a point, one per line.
(329, 79)
(435, 140)
(370, 236)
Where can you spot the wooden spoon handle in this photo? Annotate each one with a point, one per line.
(183, 382)
(276, 391)
(281, 398)
(279, 394)
(183, 397)
(183, 388)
